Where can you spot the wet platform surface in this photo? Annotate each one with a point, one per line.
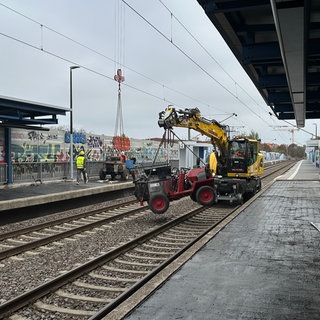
(264, 265)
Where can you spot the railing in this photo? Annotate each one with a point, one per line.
(39, 171)
(3, 173)
(50, 171)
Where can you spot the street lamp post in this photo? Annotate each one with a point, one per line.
(316, 130)
(71, 124)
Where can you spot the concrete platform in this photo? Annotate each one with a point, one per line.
(264, 265)
(18, 196)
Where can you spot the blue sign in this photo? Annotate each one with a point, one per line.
(77, 138)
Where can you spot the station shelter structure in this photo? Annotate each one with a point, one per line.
(277, 44)
(313, 151)
(16, 113)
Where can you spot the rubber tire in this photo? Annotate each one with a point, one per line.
(102, 175)
(206, 196)
(158, 203)
(125, 175)
(193, 197)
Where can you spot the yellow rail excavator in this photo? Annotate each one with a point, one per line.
(232, 171)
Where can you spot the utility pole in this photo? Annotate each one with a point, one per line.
(316, 137)
(71, 123)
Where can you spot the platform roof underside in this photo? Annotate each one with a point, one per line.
(277, 42)
(15, 113)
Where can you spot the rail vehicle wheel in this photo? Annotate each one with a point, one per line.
(158, 203)
(258, 185)
(247, 196)
(239, 199)
(206, 196)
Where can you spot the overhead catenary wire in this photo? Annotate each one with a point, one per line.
(119, 54)
(193, 61)
(196, 63)
(120, 36)
(199, 43)
(115, 60)
(209, 54)
(83, 67)
(43, 49)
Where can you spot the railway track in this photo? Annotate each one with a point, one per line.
(99, 285)
(22, 240)
(276, 170)
(110, 277)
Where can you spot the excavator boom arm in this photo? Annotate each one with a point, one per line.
(192, 119)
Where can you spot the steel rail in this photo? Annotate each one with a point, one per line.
(42, 290)
(44, 225)
(285, 167)
(124, 296)
(65, 234)
(44, 241)
(34, 244)
(52, 285)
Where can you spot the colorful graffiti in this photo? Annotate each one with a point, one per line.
(52, 146)
(94, 142)
(28, 152)
(2, 154)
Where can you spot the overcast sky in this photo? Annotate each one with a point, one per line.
(169, 53)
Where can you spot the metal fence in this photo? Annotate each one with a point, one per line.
(49, 171)
(3, 173)
(40, 171)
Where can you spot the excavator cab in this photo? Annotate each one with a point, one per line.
(243, 158)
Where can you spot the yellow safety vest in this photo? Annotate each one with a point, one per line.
(213, 162)
(80, 162)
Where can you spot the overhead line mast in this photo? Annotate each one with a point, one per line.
(286, 128)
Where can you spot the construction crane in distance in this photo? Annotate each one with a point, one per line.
(287, 128)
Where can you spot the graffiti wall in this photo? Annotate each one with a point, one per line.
(54, 146)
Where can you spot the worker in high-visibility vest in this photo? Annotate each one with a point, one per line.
(213, 162)
(81, 167)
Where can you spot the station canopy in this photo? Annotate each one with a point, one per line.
(277, 42)
(16, 113)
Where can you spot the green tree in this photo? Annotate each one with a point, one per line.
(296, 152)
(265, 147)
(282, 149)
(253, 135)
